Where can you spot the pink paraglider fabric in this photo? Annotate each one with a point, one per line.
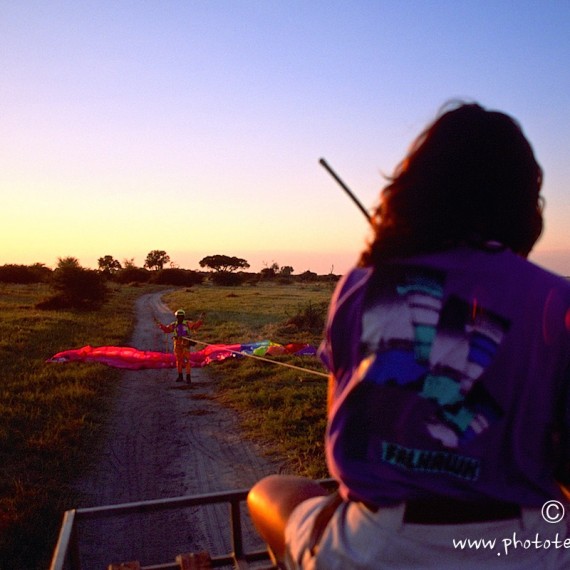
(133, 359)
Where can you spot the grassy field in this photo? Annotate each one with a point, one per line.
(51, 415)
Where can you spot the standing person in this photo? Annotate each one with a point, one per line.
(181, 330)
(449, 353)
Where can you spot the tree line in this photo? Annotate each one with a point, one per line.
(79, 287)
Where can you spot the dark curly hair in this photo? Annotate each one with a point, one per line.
(470, 177)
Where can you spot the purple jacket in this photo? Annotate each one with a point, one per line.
(452, 378)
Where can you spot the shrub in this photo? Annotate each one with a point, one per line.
(183, 277)
(249, 278)
(308, 276)
(22, 274)
(328, 278)
(132, 274)
(267, 273)
(227, 279)
(310, 318)
(76, 287)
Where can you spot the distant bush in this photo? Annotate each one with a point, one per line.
(311, 318)
(328, 278)
(76, 287)
(173, 276)
(132, 275)
(308, 276)
(36, 273)
(267, 273)
(227, 279)
(249, 278)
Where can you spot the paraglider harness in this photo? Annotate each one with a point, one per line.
(181, 335)
(181, 330)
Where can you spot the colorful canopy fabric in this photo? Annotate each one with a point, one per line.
(133, 359)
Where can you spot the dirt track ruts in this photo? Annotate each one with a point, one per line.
(165, 439)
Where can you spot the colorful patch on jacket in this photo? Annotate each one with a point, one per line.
(416, 339)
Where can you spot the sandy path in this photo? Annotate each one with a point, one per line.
(165, 439)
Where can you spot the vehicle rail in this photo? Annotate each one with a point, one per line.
(67, 551)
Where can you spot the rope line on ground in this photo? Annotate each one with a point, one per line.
(277, 362)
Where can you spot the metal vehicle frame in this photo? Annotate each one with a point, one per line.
(67, 551)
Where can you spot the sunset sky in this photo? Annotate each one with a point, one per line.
(196, 127)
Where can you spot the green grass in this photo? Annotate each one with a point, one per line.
(50, 415)
(284, 409)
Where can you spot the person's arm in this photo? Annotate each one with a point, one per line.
(164, 328)
(330, 391)
(272, 500)
(196, 324)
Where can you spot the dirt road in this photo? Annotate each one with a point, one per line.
(165, 439)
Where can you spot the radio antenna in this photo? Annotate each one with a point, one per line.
(325, 164)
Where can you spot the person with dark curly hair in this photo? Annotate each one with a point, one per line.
(449, 359)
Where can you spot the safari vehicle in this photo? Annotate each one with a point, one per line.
(68, 548)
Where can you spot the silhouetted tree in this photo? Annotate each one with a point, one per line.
(156, 259)
(108, 265)
(63, 262)
(224, 263)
